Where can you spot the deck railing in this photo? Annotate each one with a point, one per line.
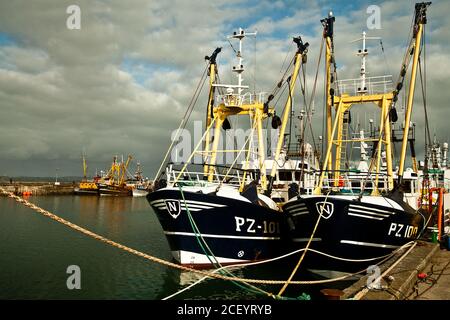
(373, 85)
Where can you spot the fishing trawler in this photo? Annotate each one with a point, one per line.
(342, 218)
(114, 183)
(224, 214)
(86, 187)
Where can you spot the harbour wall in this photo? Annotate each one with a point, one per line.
(39, 188)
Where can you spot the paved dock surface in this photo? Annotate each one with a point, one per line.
(400, 282)
(437, 284)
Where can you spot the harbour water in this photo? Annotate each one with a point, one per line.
(36, 252)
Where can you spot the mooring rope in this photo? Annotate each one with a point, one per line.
(249, 264)
(363, 292)
(294, 271)
(216, 263)
(169, 264)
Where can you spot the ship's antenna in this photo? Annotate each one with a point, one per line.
(239, 68)
(363, 53)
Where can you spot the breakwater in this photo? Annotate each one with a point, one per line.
(39, 188)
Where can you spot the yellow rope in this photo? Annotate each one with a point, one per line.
(152, 258)
(128, 249)
(306, 249)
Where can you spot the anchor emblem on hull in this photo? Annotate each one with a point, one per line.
(325, 209)
(173, 207)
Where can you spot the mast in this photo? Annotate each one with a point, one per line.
(363, 53)
(444, 155)
(342, 103)
(239, 68)
(420, 20)
(210, 105)
(328, 26)
(232, 104)
(302, 49)
(84, 168)
(123, 170)
(138, 173)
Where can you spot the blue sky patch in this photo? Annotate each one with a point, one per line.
(142, 70)
(6, 39)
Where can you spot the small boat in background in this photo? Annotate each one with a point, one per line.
(86, 188)
(140, 185)
(114, 190)
(140, 190)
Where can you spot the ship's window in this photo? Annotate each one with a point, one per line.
(406, 186)
(356, 184)
(298, 175)
(368, 185)
(285, 175)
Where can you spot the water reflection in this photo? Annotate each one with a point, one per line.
(36, 252)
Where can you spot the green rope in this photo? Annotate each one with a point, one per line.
(200, 239)
(248, 287)
(197, 232)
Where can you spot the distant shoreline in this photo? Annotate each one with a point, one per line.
(24, 179)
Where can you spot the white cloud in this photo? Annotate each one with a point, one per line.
(65, 90)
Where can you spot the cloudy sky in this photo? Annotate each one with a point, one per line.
(121, 83)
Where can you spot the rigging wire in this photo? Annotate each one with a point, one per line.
(400, 81)
(277, 87)
(324, 112)
(284, 61)
(184, 120)
(313, 95)
(387, 117)
(425, 109)
(388, 68)
(309, 110)
(290, 118)
(425, 181)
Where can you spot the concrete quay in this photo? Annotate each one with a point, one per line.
(39, 188)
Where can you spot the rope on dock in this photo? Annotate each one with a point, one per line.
(169, 264)
(248, 264)
(364, 291)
